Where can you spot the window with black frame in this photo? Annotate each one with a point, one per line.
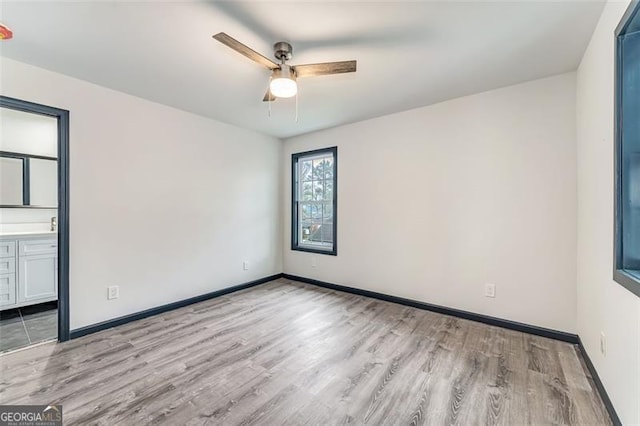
(627, 215)
(314, 201)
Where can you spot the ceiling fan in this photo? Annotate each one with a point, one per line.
(283, 77)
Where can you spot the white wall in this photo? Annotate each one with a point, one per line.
(10, 217)
(435, 202)
(603, 305)
(28, 133)
(164, 203)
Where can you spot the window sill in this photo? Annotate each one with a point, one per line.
(629, 279)
(316, 251)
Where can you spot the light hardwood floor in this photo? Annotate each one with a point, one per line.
(291, 353)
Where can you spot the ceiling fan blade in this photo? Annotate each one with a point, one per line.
(245, 50)
(268, 97)
(310, 70)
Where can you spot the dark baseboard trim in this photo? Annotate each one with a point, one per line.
(599, 386)
(499, 322)
(94, 328)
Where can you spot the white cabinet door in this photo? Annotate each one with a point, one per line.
(38, 277)
(7, 289)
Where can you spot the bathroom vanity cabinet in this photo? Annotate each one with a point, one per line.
(28, 269)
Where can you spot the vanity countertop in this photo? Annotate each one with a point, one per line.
(15, 234)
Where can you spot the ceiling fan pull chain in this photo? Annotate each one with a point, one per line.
(297, 94)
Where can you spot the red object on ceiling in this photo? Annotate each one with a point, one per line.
(5, 33)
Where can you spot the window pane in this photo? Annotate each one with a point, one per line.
(630, 179)
(328, 170)
(328, 190)
(631, 212)
(634, 180)
(305, 170)
(321, 233)
(327, 234)
(305, 231)
(318, 169)
(316, 212)
(315, 232)
(305, 212)
(306, 191)
(318, 190)
(327, 216)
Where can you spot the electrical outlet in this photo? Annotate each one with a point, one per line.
(603, 344)
(490, 290)
(314, 262)
(245, 265)
(113, 292)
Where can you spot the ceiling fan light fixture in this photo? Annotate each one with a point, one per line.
(283, 82)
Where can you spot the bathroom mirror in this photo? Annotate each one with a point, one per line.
(11, 180)
(28, 181)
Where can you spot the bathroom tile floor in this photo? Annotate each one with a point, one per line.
(28, 325)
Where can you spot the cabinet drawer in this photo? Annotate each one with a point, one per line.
(7, 290)
(7, 265)
(27, 248)
(7, 248)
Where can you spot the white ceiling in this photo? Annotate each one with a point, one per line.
(409, 54)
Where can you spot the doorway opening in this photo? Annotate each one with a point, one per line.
(34, 224)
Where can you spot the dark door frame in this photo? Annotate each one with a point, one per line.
(63, 201)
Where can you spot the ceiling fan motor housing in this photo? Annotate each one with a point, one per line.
(282, 51)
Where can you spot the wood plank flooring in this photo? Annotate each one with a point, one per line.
(291, 353)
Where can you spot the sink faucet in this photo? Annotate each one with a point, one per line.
(54, 224)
